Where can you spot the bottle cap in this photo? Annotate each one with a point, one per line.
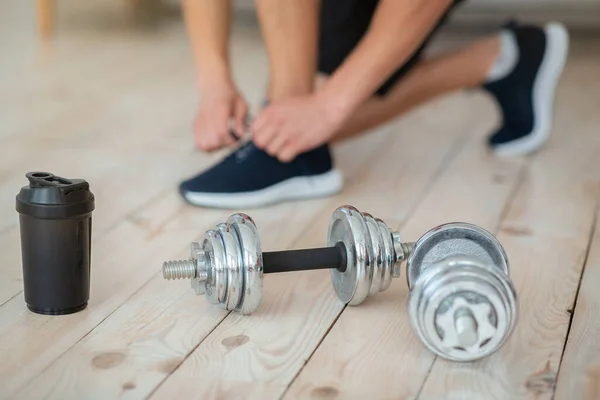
(51, 197)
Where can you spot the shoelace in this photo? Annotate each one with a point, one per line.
(244, 151)
(244, 145)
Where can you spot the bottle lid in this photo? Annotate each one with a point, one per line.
(51, 197)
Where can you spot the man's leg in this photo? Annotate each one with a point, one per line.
(290, 31)
(250, 177)
(519, 67)
(464, 68)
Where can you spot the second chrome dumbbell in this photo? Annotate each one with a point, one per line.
(462, 304)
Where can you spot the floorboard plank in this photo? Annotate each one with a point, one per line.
(64, 94)
(11, 275)
(579, 373)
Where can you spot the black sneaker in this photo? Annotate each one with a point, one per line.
(249, 177)
(526, 95)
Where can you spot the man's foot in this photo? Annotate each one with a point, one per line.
(526, 93)
(249, 178)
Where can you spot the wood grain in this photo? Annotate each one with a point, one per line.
(11, 275)
(579, 373)
(63, 96)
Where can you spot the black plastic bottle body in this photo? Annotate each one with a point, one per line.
(55, 218)
(63, 248)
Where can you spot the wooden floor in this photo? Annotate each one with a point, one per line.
(114, 105)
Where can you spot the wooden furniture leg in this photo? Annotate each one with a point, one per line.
(45, 17)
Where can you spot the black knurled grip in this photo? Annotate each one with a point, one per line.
(305, 259)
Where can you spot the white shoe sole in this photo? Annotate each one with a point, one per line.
(557, 45)
(298, 188)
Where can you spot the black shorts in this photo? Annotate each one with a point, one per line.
(343, 24)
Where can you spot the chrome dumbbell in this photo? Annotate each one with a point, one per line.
(228, 265)
(462, 304)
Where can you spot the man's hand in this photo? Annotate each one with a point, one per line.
(292, 126)
(212, 124)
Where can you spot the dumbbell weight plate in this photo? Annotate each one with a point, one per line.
(216, 281)
(376, 272)
(349, 227)
(454, 285)
(455, 239)
(235, 264)
(252, 262)
(389, 257)
(382, 252)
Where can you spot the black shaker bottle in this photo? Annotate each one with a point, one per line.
(56, 231)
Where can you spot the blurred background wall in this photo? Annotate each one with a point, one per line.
(580, 14)
(583, 14)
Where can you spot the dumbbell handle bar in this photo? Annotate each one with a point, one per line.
(305, 259)
(334, 257)
(273, 262)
